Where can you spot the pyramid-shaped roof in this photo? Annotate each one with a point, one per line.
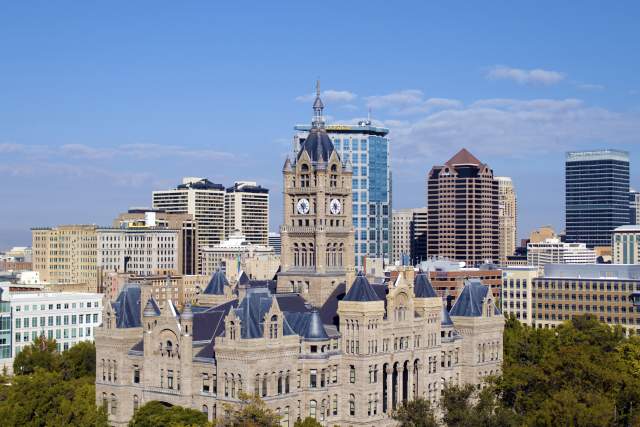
(127, 307)
(422, 286)
(216, 284)
(464, 157)
(361, 290)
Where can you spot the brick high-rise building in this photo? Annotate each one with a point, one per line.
(462, 201)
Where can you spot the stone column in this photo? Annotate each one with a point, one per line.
(389, 371)
(409, 381)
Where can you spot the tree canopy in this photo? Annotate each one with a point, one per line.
(155, 413)
(252, 412)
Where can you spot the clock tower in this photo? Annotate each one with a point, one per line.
(317, 232)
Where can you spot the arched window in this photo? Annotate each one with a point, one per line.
(114, 404)
(284, 422)
(232, 330)
(264, 385)
(104, 372)
(256, 390)
(105, 402)
(312, 255)
(169, 347)
(296, 254)
(312, 408)
(205, 410)
(303, 250)
(352, 405)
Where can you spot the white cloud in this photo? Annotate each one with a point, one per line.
(401, 98)
(330, 96)
(522, 76)
(507, 127)
(590, 87)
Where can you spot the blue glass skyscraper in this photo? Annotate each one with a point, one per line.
(597, 195)
(367, 148)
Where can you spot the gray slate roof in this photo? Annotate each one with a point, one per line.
(422, 286)
(361, 291)
(127, 307)
(318, 145)
(216, 284)
(308, 325)
(252, 310)
(469, 303)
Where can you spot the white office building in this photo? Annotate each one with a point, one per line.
(553, 251)
(141, 250)
(67, 317)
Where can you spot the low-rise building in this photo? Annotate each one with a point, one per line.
(238, 254)
(554, 251)
(603, 291)
(67, 317)
(140, 249)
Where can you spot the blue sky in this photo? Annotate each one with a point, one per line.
(101, 103)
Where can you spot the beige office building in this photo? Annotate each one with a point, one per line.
(247, 210)
(517, 292)
(401, 221)
(507, 215)
(66, 254)
(202, 199)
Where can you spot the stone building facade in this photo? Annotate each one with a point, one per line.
(319, 341)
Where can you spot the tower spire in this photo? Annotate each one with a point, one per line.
(318, 106)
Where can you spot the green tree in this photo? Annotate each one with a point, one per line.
(155, 413)
(252, 412)
(79, 361)
(307, 422)
(42, 353)
(46, 399)
(470, 406)
(416, 413)
(581, 373)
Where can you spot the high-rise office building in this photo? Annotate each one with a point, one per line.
(275, 242)
(634, 207)
(597, 195)
(419, 235)
(247, 210)
(366, 149)
(65, 254)
(507, 215)
(462, 201)
(401, 224)
(202, 199)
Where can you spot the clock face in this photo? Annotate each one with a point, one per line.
(303, 206)
(335, 206)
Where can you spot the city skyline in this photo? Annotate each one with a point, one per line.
(122, 113)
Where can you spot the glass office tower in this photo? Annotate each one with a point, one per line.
(597, 195)
(367, 147)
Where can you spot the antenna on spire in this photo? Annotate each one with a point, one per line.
(318, 88)
(369, 116)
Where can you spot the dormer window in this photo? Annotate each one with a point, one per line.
(273, 327)
(232, 330)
